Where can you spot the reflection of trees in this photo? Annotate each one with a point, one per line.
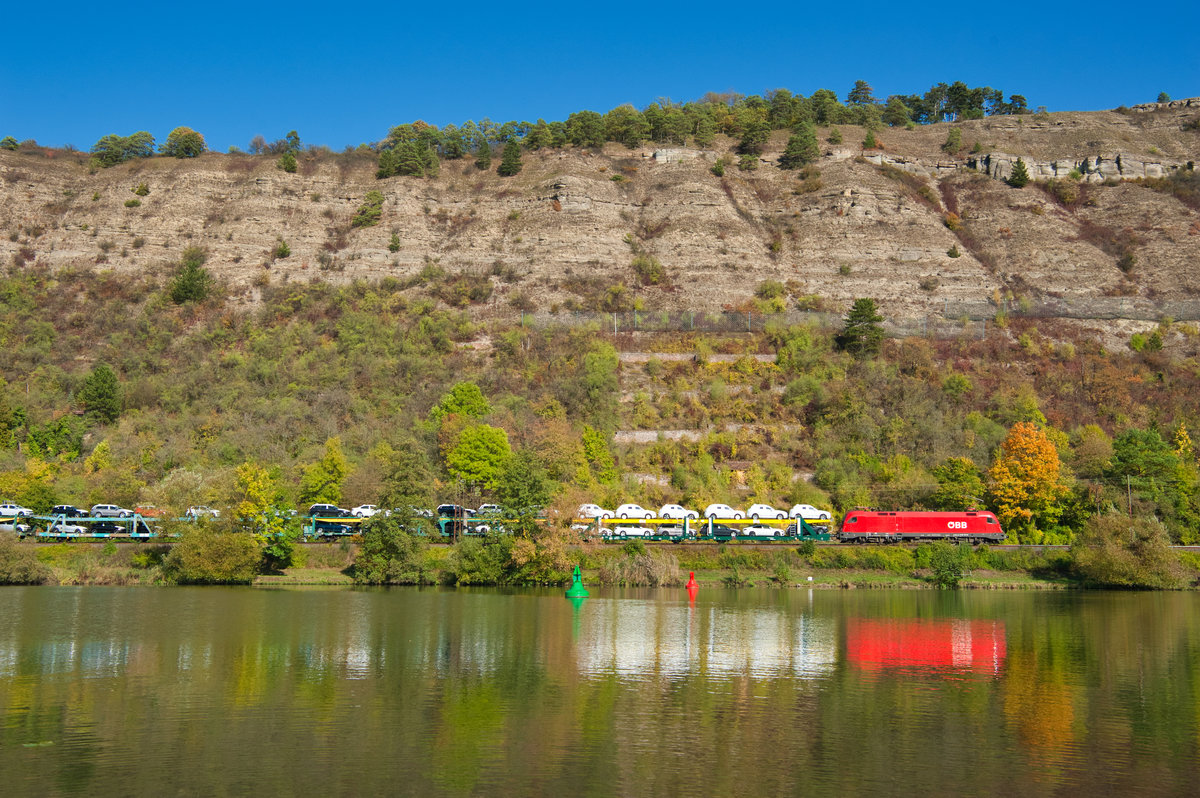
(433, 692)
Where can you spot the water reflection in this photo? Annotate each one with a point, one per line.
(631, 637)
(749, 692)
(935, 646)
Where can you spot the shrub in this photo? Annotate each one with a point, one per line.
(748, 162)
(1020, 175)
(389, 555)
(20, 566)
(718, 168)
(141, 190)
(394, 243)
(183, 142)
(286, 162)
(835, 136)
(649, 270)
(8, 143)
(948, 563)
(206, 555)
(370, 212)
(953, 252)
(770, 289)
(281, 250)
(510, 159)
(133, 203)
(953, 142)
(192, 282)
(111, 150)
(1116, 551)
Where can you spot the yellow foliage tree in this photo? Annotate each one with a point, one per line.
(1027, 482)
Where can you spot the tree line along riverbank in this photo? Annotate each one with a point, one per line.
(1123, 554)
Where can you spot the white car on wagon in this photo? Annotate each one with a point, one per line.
(809, 513)
(593, 511)
(758, 511)
(634, 511)
(723, 511)
(677, 512)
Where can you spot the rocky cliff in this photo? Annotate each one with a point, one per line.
(909, 224)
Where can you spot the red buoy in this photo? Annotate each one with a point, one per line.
(691, 585)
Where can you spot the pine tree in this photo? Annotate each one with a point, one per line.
(1019, 176)
(101, 394)
(483, 159)
(801, 148)
(510, 162)
(862, 334)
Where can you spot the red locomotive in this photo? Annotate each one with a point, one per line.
(874, 526)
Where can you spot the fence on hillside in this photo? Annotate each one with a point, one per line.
(950, 320)
(734, 322)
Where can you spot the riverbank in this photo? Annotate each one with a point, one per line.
(824, 567)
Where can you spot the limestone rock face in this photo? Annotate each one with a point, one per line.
(875, 223)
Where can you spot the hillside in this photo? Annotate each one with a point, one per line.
(564, 230)
(393, 364)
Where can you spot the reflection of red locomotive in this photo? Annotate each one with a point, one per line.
(944, 645)
(873, 526)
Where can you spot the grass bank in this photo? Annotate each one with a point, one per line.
(824, 567)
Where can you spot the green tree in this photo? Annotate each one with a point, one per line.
(1020, 175)
(953, 142)
(861, 94)
(599, 457)
(861, 334)
(483, 156)
(524, 485)
(896, 113)
(370, 212)
(183, 142)
(389, 554)
(192, 282)
(1116, 551)
(960, 485)
(259, 503)
(1163, 97)
(293, 141)
(801, 149)
(8, 143)
(210, 554)
(948, 563)
(480, 456)
(870, 142)
(322, 481)
(287, 162)
(1145, 462)
(464, 399)
(754, 136)
(408, 477)
(510, 161)
(111, 150)
(100, 395)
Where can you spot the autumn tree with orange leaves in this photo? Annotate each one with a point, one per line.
(1027, 483)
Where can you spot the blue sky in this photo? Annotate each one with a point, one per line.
(73, 72)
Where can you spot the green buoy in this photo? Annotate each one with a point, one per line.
(577, 590)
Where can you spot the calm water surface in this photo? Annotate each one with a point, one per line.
(216, 691)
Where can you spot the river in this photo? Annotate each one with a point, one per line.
(239, 691)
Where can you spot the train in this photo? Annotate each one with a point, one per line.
(884, 526)
(857, 526)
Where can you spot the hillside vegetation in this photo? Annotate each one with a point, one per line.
(219, 330)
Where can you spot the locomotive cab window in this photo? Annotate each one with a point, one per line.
(990, 520)
(852, 519)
